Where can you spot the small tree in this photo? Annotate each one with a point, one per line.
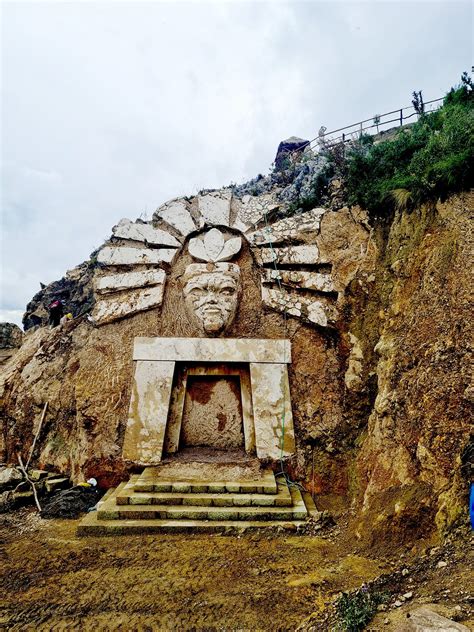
(418, 103)
(377, 121)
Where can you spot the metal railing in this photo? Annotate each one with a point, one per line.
(378, 121)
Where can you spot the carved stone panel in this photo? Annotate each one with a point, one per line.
(145, 432)
(274, 431)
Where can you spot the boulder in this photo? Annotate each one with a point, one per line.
(9, 478)
(287, 147)
(426, 620)
(11, 336)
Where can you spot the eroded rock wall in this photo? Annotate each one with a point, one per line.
(409, 465)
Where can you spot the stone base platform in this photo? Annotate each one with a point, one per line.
(166, 499)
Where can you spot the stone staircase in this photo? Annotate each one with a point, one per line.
(231, 500)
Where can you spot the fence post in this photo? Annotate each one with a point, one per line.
(361, 129)
(401, 117)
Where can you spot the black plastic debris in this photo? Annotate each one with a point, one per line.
(70, 503)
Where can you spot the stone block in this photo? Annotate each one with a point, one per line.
(289, 228)
(214, 208)
(151, 392)
(425, 619)
(264, 501)
(217, 488)
(222, 514)
(233, 487)
(317, 311)
(128, 280)
(242, 500)
(53, 484)
(145, 233)
(197, 488)
(274, 431)
(197, 501)
(301, 279)
(303, 255)
(223, 500)
(182, 488)
(115, 306)
(218, 349)
(37, 475)
(139, 500)
(176, 214)
(128, 256)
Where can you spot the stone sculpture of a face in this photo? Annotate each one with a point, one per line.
(212, 289)
(211, 294)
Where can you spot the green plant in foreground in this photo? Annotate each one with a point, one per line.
(356, 609)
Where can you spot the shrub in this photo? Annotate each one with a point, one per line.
(430, 159)
(357, 608)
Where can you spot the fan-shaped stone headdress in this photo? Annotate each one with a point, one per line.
(296, 277)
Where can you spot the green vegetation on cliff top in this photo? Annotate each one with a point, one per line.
(431, 159)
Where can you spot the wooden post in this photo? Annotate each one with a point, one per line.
(401, 117)
(25, 474)
(36, 435)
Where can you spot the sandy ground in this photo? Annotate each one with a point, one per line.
(53, 580)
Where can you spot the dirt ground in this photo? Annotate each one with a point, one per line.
(53, 580)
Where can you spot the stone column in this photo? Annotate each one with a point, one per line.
(148, 412)
(274, 431)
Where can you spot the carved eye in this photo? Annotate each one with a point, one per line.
(228, 291)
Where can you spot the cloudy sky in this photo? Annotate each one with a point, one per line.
(111, 108)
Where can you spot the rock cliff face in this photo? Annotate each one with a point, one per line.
(379, 326)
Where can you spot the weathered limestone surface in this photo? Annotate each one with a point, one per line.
(252, 210)
(288, 228)
(304, 255)
(176, 214)
(128, 280)
(145, 233)
(215, 208)
(274, 432)
(313, 310)
(212, 350)
(212, 415)
(176, 411)
(125, 256)
(300, 279)
(148, 413)
(115, 306)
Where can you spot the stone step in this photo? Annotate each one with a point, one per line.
(90, 525)
(128, 496)
(154, 480)
(110, 510)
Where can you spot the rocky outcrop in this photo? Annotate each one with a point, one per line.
(75, 289)
(10, 340)
(10, 336)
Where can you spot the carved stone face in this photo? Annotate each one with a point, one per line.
(211, 294)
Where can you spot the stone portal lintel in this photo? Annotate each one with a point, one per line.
(252, 350)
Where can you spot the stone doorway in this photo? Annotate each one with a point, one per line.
(163, 367)
(212, 414)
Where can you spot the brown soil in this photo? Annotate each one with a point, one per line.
(54, 580)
